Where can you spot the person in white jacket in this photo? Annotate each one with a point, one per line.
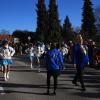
(39, 50)
(6, 53)
(30, 51)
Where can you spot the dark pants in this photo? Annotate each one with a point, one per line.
(79, 76)
(55, 76)
(91, 61)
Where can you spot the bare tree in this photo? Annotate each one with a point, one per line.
(3, 31)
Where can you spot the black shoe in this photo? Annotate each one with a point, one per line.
(54, 93)
(74, 83)
(48, 93)
(83, 89)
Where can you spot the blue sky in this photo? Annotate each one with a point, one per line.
(21, 14)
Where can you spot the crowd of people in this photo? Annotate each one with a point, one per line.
(79, 53)
(38, 50)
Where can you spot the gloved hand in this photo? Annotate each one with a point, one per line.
(74, 65)
(88, 63)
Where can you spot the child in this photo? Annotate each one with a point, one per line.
(6, 52)
(30, 52)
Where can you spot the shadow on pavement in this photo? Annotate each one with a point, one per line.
(12, 91)
(89, 94)
(92, 79)
(43, 69)
(15, 85)
(34, 93)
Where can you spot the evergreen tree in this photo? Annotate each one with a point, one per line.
(54, 28)
(67, 32)
(41, 20)
(88, 21)
(97, 16)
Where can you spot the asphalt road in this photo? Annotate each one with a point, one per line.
(27, 84)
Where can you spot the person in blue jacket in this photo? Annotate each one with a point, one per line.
(80, 60)
(54, 62)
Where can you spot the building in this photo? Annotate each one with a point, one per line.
(6, 36)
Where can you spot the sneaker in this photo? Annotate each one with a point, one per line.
(5, 78)
(31, 67)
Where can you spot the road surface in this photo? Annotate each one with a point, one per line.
(27, 84)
